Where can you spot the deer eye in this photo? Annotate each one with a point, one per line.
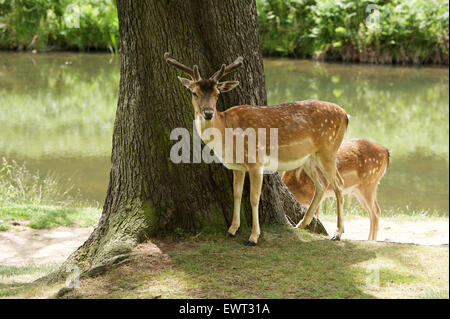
(194, 94)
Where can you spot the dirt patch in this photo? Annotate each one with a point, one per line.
(422, 232)
(24, 246)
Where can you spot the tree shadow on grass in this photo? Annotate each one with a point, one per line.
(282, 267)
(285, 264)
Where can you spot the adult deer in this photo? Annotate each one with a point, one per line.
(361, 164)
(309, 135)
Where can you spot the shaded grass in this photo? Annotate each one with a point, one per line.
(285, 264)
(46, 217)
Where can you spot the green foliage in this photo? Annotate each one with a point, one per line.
(66, 24)
(380, 31)
(377, 31)
(285, 26)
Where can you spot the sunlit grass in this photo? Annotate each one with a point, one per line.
(46, 217)
(4, 226)
(434, 293)
(355, 209)
(42, 202)
(18, 185)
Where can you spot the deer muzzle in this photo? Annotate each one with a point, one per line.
(208, 114)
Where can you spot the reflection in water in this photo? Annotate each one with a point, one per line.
(57, 112)
(402, 108)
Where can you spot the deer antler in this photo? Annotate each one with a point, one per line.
(193, 73)
(224, 70)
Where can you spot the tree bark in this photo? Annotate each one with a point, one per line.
(147, 193)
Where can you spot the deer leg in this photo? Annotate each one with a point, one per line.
(238, 185)
(256, 178)
(367, 200)
(362, 200)
(349, 200)
(328, 166)
(317, 212)
(313, 171)
(376, 219)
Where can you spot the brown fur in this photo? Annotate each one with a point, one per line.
(362, 165)
(309, 135)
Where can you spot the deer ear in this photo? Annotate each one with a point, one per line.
(187, 83)
(227, 86)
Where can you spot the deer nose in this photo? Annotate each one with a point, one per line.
(208, 114)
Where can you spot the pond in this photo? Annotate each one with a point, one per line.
(57, 112)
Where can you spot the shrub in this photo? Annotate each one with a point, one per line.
(377, 31)
(59, 24)
(409, 31)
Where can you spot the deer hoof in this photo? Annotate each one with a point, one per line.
(250, 243)
(228, 234)
(335, 238)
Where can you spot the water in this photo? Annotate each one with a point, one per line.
(57, 113)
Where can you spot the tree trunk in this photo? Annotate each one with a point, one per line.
(147, 193)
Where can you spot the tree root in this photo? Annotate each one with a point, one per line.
(97, 270)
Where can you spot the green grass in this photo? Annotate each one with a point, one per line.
(285, 264)
(355, 210)
(15, 271)
(433, 293)
(295, 264)
(4, 226)
(39, 201)
(13, 279)
(46, 217)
